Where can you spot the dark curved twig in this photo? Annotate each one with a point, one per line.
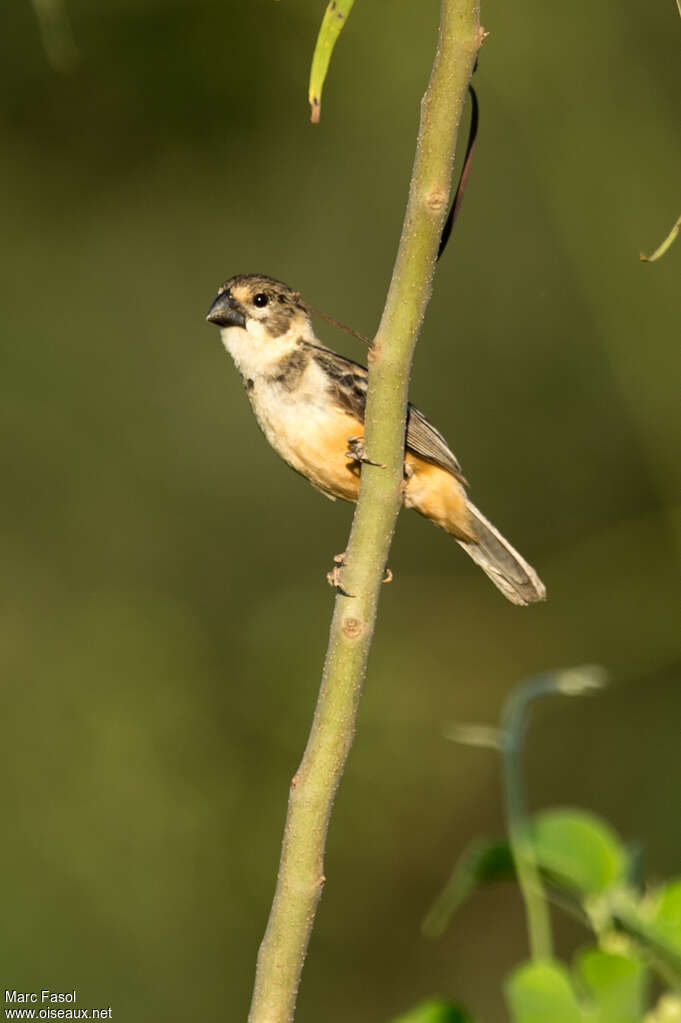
(465, 171)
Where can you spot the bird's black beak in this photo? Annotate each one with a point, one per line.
(225, 312)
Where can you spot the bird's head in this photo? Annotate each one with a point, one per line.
(267, 309)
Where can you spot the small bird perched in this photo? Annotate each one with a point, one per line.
(310, 401)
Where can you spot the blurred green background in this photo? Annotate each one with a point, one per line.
(165, 609)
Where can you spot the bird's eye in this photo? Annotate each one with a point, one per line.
(260, 299)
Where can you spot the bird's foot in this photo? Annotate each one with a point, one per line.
(333, 577)
(357, 453)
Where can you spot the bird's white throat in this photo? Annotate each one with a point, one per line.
(255, 351)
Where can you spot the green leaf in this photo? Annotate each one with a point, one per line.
(616, 984)
(541, 992)
(334, 18)
(482, 862)
(579, 849)
(651, 922)
(435, 1010)
(667, 916)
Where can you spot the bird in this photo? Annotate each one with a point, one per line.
(310, 401)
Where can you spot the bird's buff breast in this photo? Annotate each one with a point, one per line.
(303, 426)
(309, 432)
(312, 436)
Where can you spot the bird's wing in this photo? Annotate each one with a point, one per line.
(348, 388)
(427, 442)
(346, 380)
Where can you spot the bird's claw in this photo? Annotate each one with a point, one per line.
(356, 453)
(333, 577)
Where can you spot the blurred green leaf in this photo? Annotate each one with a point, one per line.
(542, 992)
(483, 736)
(667, 917)
(615, 982)
(334, 18)
(435, 1010)
(579, 849)
(482, 862)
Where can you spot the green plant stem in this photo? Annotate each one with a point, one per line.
(313, 789)
(568, 682)
(513, 726)
(514, 719)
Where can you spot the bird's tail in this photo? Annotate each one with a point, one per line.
(517, 580)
